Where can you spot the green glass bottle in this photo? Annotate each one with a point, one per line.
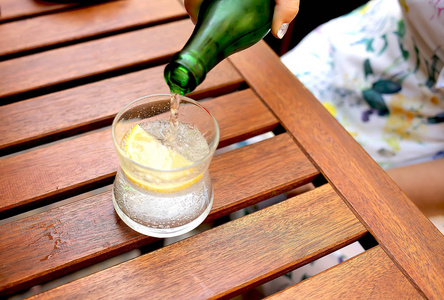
(223, 27)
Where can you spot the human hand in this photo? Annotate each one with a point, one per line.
(284, 12)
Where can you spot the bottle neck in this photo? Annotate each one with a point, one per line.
(223, 28)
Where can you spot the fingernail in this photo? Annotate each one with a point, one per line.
(282, 30)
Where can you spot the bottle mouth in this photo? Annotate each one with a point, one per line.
(184, 73)
(179, 78)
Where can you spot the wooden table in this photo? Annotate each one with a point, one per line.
(66, 70)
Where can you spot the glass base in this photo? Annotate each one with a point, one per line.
(162, 232)
(162, 214)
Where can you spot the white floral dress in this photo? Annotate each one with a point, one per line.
(379, 71)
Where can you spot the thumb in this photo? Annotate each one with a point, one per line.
(284, 12)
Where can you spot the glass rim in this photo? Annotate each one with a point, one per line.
(122, 153)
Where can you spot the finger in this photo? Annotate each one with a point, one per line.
(192, 7)
(284, 12)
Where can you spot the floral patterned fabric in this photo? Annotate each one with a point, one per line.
(379, 71)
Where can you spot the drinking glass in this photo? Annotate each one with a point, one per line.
(150, 197)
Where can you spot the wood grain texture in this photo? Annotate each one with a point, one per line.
(42, 70)
(85, 22)
(60, 240)
(14, 9)
(229, 258)
(95, 104)
(370, 275)
(236, 127)
(408, 237)
(60, 169)
(275, 165)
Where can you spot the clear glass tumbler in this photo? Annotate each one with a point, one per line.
(162, 187)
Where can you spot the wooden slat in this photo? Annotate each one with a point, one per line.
(151, 45)
(91, 160)
(229, 258)
(408, 237)
(85, 22)
(370, 275)
(68, 237)
(14, 9)
(231, 118)
(274, 166)
(94, 104)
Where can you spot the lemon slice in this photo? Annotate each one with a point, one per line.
(148, 151)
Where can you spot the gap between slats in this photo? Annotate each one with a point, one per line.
(233, 257)
(395, 222)
(13, 10)
(57, 69)
(85, 23)
(370, 275)
(89, 230)
(38, 177)
(62, 114)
